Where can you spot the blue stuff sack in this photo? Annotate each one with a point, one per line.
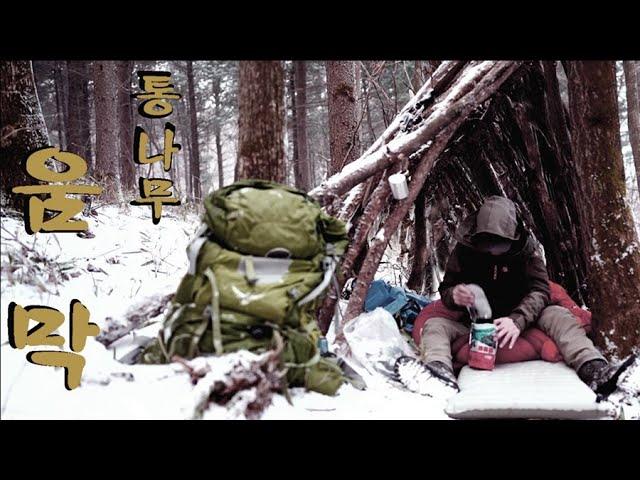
(404, 305)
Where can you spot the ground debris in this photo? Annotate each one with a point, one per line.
(246, 389)
(136, 317)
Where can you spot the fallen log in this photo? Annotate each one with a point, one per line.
(136, 317)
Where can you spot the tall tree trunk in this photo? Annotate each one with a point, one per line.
(127, 167)
(417, 278)
(79, 126)
(303, 170)
(217, 131)
(188, 174)
(292, 127)
(366, 89)
(22, 128)
(359, 106)
(343, 123)
(632, 81)
(195, 143)
(188, 165)
(261, 121)
(60, 83)
(107, 128)
(614, 252)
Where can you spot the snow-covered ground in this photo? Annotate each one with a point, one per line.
(127, 261)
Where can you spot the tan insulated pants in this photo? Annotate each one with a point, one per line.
(439, 333)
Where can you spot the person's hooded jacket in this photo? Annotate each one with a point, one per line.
(516, 282)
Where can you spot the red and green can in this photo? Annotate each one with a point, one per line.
(482, 346)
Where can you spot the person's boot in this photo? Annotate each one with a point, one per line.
(419, 376)
(602, 377)
(590, 371)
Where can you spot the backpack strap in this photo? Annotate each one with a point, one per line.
(311, 362)
(329, 266)
(215, 312)
(249, 270)
(193, 249)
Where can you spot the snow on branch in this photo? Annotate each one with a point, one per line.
(468, 91)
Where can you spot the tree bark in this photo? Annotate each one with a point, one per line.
(125, 114)
(195, 143)
(261, 121)
(22, 128)
(344, 142)
(79, 127)
(303, 167)
(107, 128)
(292, 126)
(613, 249)
(188, 174)
(60, 82)
(217, 130)
(417, 278)
(632, 81)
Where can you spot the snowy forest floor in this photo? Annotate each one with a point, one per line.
(128, 261)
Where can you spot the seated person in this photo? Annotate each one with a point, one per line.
(495, 251)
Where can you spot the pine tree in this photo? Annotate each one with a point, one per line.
(22, 128)
(343, 122)
(107, 129)
(261, 121)
(613, 249)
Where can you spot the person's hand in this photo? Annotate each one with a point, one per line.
(506, 331)
(463, 296)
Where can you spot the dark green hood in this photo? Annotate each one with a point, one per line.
(499, 216)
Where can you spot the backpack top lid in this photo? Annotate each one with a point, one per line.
(260, 217)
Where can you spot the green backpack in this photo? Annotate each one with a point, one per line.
(258, 269)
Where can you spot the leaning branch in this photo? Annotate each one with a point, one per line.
(457, 102)
(432, 88)
(487, 80)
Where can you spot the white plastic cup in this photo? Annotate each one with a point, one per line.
(399, 187)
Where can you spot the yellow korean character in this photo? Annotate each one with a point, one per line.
(72, 363)
(155, 192)
(156, 93)
(57, 201)
(141, 145)
(48, 320)
(79, 326)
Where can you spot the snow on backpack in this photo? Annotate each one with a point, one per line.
(259, 267)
